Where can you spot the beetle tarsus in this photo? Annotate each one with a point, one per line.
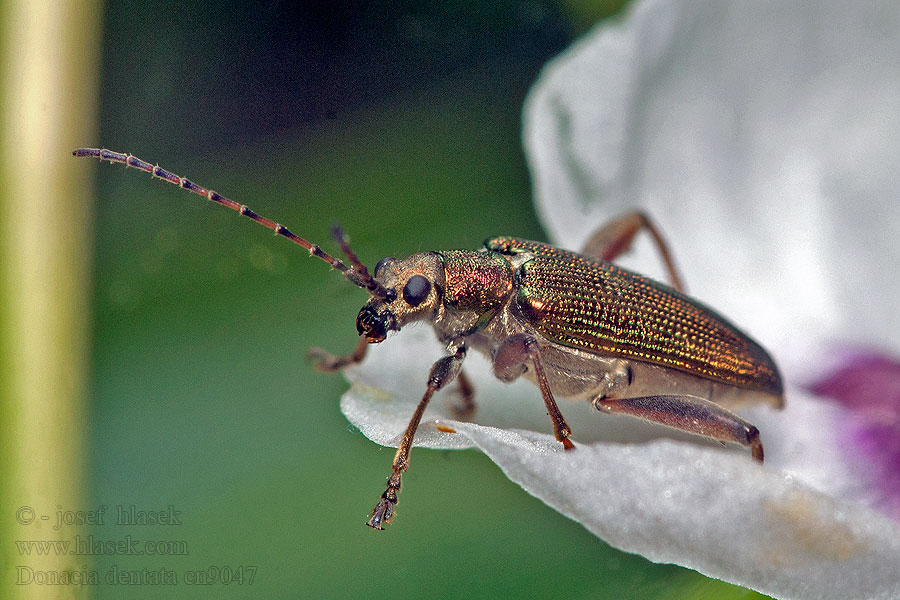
(756, 448)
(383, 513)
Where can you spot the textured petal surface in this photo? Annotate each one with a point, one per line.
(790, 529)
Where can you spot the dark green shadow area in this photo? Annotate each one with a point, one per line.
(202, 400)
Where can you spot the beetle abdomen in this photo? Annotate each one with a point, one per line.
(596, 306)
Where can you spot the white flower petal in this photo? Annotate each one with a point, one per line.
(780, 529)
(762, 136)
(750, 526)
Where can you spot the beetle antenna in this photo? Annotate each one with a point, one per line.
(358, 275)
(375, 288)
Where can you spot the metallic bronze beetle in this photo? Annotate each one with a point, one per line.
(575, 324)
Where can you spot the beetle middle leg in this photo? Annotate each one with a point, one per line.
(509, 363)
(615, 238)
(443, 372)
(688, 413)
(465, 408)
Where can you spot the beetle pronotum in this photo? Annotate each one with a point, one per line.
(575, 324)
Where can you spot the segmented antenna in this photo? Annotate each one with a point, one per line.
(358, 275)
(367, 280)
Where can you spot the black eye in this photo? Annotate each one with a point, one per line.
(382, 264)
(416, 290)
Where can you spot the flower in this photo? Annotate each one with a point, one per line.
(762, 138)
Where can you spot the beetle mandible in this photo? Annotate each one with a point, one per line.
(574, 324)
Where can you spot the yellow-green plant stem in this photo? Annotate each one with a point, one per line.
(48, 81)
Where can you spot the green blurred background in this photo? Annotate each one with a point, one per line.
(401, 121)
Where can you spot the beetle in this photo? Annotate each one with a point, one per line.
(575, 324)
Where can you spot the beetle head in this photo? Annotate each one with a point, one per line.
(413, 288)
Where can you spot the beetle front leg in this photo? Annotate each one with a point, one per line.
(442, 372)
(509, 363)
(615, 238)
(691, 414)
(327, 362)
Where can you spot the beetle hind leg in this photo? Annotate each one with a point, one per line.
(614, 239)
(691, 414)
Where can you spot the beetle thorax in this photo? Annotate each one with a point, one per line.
(477, 285)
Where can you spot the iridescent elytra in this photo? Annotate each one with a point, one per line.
(575, 324)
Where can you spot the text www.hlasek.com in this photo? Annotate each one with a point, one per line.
(91, 546)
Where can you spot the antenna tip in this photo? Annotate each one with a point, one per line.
(95, 152)
(337, 233)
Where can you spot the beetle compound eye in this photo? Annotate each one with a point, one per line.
(379, 268)
(416, 290)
